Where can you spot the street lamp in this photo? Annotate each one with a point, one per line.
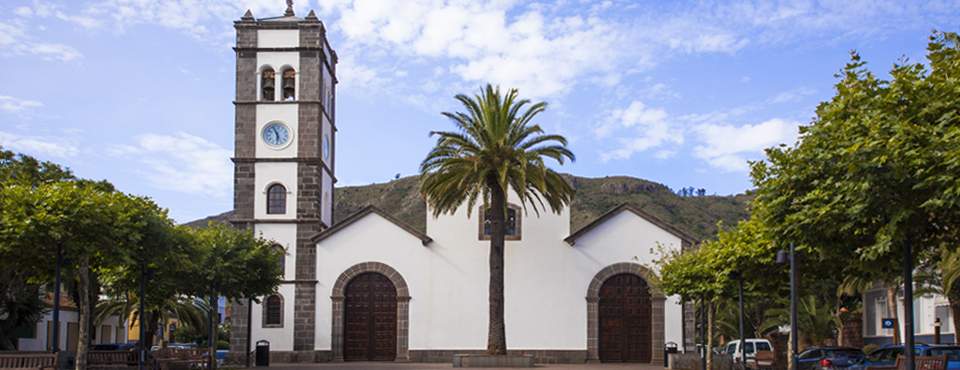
(784, 257)
(743, 340)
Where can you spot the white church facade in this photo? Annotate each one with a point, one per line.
(369, 287)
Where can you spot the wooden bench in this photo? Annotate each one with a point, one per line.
(181, 359)
(920, 363)
(112, 360)
(14, 360)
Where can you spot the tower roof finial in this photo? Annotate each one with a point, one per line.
(289, 12)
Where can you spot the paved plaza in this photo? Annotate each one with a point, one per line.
(418, 366)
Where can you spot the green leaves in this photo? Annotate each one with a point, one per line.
(495, 143)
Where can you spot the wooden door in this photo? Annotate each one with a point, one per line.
(624, 319)
(370, 319)
(73, 336)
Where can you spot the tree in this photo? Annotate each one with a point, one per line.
(79, 219)
(233, 264)
(875, 175)
(20, 305)
(495, 150)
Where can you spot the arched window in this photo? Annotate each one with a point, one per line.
(289, 84)
(283, 257)
(273, 311)
(512, 227)
(276, 200)
(268, 80)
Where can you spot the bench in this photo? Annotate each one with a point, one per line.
(920, 363)
(14, 360)
(112, 360)
(181, 359)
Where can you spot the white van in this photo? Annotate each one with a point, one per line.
(754, 345)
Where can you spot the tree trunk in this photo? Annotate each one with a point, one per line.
(790, 350)
(83, 288)
(496, 336)
(710, 315)
(212, 338)
(150, 330)
(892, 309)
(955, 317)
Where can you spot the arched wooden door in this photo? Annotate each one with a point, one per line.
(370, 319)
(624, 319)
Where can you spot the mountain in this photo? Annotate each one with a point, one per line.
(698, 216)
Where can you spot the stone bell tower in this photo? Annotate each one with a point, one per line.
(283, 167)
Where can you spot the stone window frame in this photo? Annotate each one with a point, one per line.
(281, 202)
(657, 300)
(403, 307)
(483, 216)
(265, 309)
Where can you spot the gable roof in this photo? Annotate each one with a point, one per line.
(356, 216)
(685, 239)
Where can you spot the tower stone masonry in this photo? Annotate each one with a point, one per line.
(284, 165)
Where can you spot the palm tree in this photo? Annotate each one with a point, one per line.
(190, 312)
(496, 149)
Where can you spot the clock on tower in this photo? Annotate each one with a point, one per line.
(284, 164)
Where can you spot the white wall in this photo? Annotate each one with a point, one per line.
(281, 339)
(39, 341)
(268, 173)
(286, 113)
(286, 236)
(627, 237)
(278, 38)
(546, 279)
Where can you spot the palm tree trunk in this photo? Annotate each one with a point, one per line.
(496, 336)
(892, 309)
(83, 289)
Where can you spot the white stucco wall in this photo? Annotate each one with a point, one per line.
(627, 237)
(286, 236)
(278, 38)
(285, 113)
(546, 279)
(268, 173)
(281, 339)
(39, 341)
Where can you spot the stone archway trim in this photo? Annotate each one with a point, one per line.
(657, 336)
(403, 307)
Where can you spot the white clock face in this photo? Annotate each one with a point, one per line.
(276, 134)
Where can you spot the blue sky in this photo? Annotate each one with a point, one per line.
(139, 92)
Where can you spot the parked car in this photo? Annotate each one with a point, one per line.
(753, 345)
(887, 355)
(114, 347)
(951, 351)
(826, 358)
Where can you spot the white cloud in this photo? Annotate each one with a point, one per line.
(183, 163)
(44, 9)
(729, 147)
(13, 40)
(649, 128)
(14, 105)
(38, 145)
(793, 95)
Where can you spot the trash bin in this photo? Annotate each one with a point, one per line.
(263, 353)
(668, 348)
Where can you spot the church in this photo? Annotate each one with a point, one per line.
(368, 287)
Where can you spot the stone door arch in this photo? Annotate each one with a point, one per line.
(403, 311)
(656, 309)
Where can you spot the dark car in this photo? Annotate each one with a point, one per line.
(951, 351)
(887, 355)
(826, 358)
(114, 347)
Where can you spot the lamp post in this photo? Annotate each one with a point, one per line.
(703, 333)
(57, 282)
(784, 257)
(908, 304)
